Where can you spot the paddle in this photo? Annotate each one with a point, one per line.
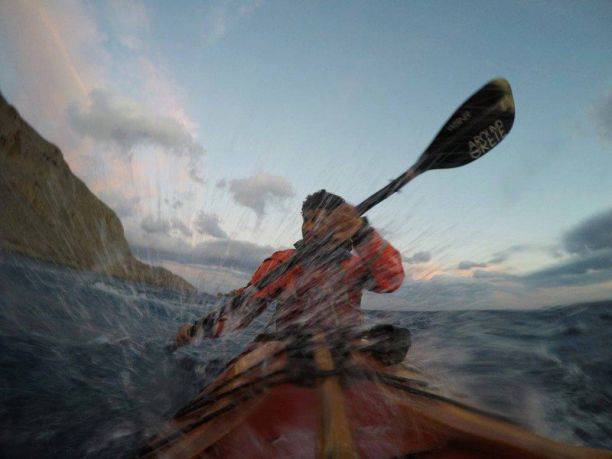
(473, 130)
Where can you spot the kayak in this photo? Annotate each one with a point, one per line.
(338, 395)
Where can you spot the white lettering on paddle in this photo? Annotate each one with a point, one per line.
(458, 122)
(486, 139)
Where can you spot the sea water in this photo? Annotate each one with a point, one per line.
(85, 371)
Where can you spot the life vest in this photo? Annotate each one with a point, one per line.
(330, 296)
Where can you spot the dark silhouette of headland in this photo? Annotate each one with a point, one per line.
(49, 214)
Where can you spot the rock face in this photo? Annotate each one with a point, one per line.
(47, 213)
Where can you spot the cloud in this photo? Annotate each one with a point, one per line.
(582, 277)
(494, 276)
(130, 21)
(53, 50)
(209, 224)
(249, 6)
(110, 119)
(181, 228)
(589, 245)
(497, 258)
(156, 225)
(175, 202)
(152, 225)
(417, 258)
(259, 191)
(593, 234)
(224, 14)
(55, 53)
(239, 255)
(584, 274)
(500, 257)
(466, 265)
(587, 269)
(602, 114)
(497, 290)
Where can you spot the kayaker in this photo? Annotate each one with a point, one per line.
(311, 296)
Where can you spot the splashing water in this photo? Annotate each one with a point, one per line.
(85, 371)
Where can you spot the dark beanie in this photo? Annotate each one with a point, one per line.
(322, 200)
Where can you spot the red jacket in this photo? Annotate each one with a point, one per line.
(330, 296)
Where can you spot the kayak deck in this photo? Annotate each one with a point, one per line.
(321, 397)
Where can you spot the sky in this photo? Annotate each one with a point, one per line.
(205, 124)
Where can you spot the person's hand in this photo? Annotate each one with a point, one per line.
(183, 336)
(343, 223)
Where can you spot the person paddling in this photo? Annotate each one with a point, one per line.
(326, 292)
(321, 282)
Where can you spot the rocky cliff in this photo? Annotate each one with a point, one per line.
(47, 213)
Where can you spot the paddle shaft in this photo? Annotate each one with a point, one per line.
(393, 187)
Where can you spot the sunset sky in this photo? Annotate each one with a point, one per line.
(205, 125)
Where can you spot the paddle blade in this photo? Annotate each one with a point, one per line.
(473, 130)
